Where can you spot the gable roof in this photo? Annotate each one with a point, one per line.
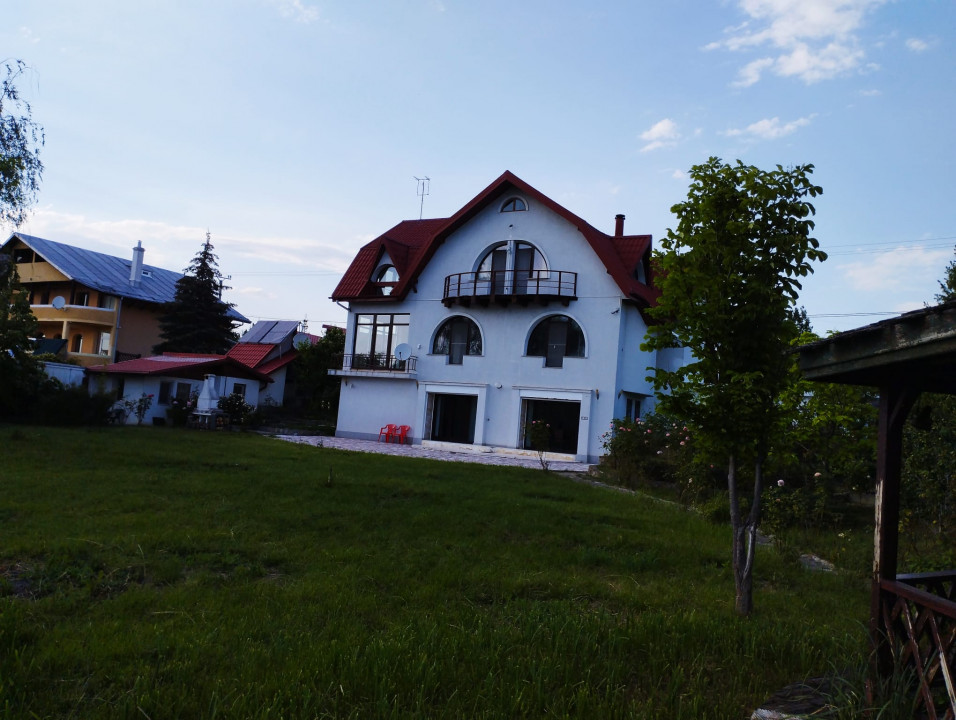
(107, 273)
(413, 242)
(186, 365)
(250, 354)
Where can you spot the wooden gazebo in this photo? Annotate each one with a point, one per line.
(913, 616)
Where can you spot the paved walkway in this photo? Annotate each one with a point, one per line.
(381, 448)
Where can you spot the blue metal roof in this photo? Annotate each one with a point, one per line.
(109, 274)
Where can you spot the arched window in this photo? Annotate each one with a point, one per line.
(386, 277)
(514, 204)
(387, 273)
(555, 338)
(456, 337)
(528, 263)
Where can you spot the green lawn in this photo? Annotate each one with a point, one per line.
(157, 573)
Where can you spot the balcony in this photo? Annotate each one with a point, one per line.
(75, 314)
(504, 287)
(377, 365)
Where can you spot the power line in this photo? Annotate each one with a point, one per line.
(936, 243)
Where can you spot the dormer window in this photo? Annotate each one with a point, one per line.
(386, 277)
(387, 274)
(514, 204)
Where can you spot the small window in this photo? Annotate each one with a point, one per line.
(556, 338)
(182, 392)
(22, 255)
(386, 277)
(101, 345)
(457, 337)
(239, 389)
(514, 204)
(77, 345)
(81, 298)
(632, 406)
(387, 273)
(165, 391)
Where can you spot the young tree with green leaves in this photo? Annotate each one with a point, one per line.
(19, 371)
(729, 279)
(197, 320)
(20, 142)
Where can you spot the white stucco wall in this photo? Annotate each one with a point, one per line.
(136, 385)
(503, 376)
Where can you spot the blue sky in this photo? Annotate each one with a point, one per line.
(293, 130)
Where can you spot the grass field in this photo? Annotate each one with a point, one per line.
(157, 573)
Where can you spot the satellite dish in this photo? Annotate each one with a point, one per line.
(59, 302)
(300, 338)
(403, 351)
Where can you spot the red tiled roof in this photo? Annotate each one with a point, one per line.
(404, 244)
(276, 363)
(421, 238)
(188, 365)
(250, 354)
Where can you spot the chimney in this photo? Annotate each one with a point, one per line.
(618, 225)
(136, 268)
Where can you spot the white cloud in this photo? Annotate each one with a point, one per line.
(678, 174)
(871, 93)
(750, 73)
(770, 128)
(296, 10)
(813, 40)
(26, 34)
(897, 268)
(662, 134)
(917, 44)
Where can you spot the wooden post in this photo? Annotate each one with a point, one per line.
(895, 404)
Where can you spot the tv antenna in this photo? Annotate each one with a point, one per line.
(422, 191)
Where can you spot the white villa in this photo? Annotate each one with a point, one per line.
(513, 310)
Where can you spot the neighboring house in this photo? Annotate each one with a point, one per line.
(106, 308)
(270, 347)
(257, 368)
(512, 310)
(175, 378)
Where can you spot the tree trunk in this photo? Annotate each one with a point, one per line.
(744, 537)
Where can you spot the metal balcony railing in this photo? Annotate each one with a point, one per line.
(509, 285)
(379, 363)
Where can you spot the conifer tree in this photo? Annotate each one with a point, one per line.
(197, 320)
(947, 286)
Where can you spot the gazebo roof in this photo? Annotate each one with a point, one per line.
(916, 350)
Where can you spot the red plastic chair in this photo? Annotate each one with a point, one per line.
(387, 431)
(401, 432)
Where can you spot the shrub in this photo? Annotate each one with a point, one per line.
(239, 411)
(650, 449)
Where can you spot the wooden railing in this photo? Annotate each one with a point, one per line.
(917, 624)
(510, 284)
(379, 363)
